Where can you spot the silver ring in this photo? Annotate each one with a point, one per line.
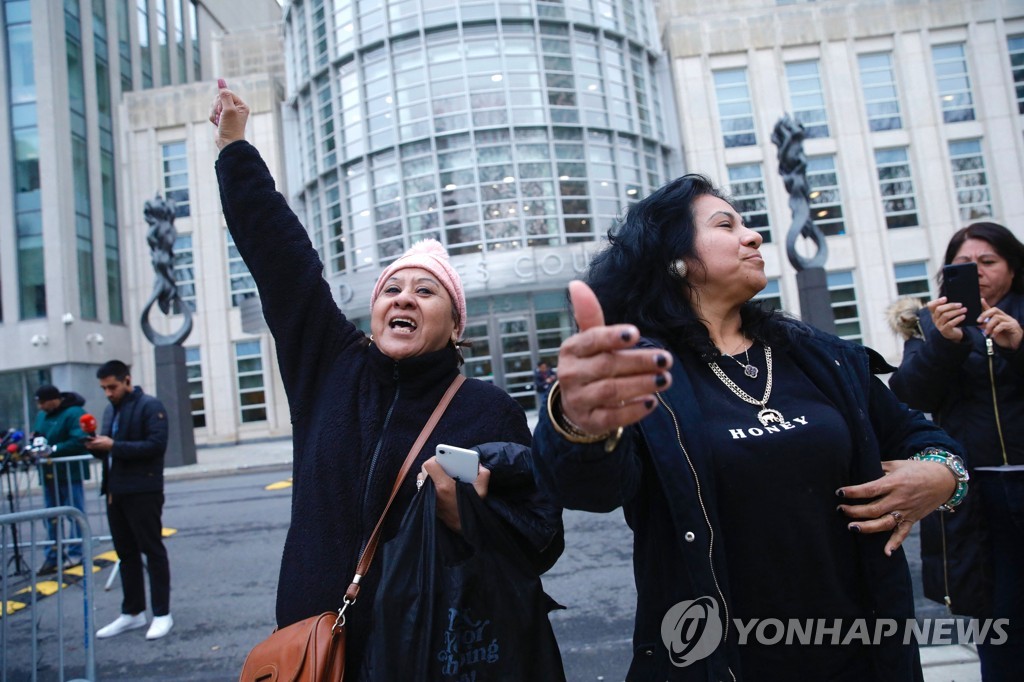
(419, 482)
(898, 516)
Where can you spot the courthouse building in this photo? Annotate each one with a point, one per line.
(515, 132)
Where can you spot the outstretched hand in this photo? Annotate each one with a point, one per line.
(909, 491)
(230, 114)
(605, 382)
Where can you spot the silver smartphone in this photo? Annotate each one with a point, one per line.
(459, 463)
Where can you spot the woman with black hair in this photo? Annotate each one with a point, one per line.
(765, 472)
(970, 375)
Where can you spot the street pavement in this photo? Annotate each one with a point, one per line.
(950, 663)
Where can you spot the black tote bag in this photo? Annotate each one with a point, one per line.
(453, 608)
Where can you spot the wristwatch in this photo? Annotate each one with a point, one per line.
(955, 465)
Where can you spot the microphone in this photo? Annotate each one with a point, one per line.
(12, 436)
(88, 424)
(12, 448)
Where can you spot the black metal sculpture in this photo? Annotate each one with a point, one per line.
(161, 235)
(788, 136)
(811, 279)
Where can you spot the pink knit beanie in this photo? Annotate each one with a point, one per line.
(430, 255)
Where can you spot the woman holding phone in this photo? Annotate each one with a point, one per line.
(969, 373)
(358, 402)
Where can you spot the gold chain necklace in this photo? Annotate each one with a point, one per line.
(767, 415)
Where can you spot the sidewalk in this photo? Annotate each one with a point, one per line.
(955, 663)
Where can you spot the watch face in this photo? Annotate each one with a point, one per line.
(957, 465)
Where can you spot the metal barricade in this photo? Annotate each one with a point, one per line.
(28, 484)
(43, 640)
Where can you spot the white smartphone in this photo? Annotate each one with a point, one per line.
(459, 463)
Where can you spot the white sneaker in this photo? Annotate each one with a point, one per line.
(123, 623)
(160, 627)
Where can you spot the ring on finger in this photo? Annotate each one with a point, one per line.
(898, 518)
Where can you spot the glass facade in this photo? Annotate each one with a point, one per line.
(496, 128)
(28, 216)
(80, 161)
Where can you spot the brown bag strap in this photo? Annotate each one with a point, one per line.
(371, 545)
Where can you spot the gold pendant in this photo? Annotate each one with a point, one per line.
(768, 416)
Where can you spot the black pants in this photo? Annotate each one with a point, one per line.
(136, 530)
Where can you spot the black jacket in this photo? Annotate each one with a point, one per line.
(964, 393)
(136, 462)
(662, 475)
(355, 412)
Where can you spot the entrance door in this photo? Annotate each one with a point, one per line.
(517, 343)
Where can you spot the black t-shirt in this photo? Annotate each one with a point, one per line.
(789, 552)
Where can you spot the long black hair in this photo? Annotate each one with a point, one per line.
(1001, 239)
(633, 282)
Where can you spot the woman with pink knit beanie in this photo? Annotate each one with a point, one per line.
(357, 406)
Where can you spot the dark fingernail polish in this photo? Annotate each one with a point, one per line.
(855, 529)
(660, 380)
(840, 493)
(660, 360)
(839, 509)
(648, 403)
(627, 335)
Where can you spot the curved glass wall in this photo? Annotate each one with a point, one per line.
(492, 127)
(422, 119)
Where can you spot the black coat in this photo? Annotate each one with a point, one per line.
(136, 462)
(661, 474)
(955, 383)
(355, 412)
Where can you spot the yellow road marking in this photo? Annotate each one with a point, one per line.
(280, 485)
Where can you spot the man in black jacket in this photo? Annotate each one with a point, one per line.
(132, 446)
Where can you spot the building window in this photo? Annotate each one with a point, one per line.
(1015, 45)
(953, 82)
(843, 297)
(771, 295)
(746, 184)
(242, 284)
(193, 27)
(145, 49)
(897, 187)
(972, 192)
(80, 163)
(194, 372)
(175, 172)
(912, 279)
(878, 83)
(24, 141)
(124, 43)
(806, 97)
(735, 109)
(184, 273)
(163, 42)
(826, 199)
(252, 400)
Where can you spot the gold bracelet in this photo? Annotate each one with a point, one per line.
(570, 431)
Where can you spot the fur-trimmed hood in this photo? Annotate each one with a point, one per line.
(902, 317)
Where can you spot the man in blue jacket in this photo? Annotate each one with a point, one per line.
(132, 449)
